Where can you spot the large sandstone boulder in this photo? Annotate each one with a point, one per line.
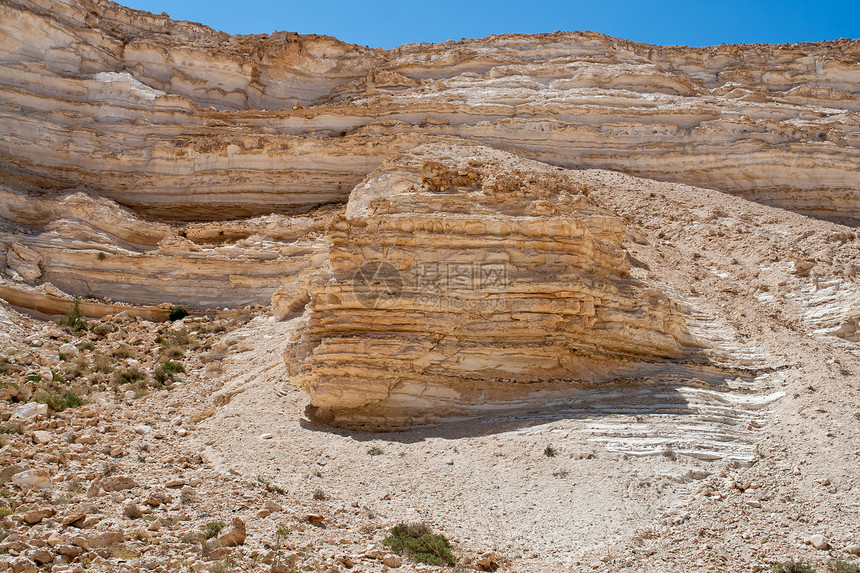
(463, 279)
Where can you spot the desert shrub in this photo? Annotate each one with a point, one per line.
(87, 346)
(177, 313)
(124, 351)
(172, 367)
(793, 566)
(74, 319)
(129, 375)
(320, 495)
(550, 451)
(417, 542)
(213, 528)
(840, 566)
(58, 402)
(132, 511)
(101, 330)
(102, 363)
(374, 451)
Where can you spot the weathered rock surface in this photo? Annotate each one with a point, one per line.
(459, 278)
(181, 121)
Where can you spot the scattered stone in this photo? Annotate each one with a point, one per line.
(94, 489)
(117, 483)
(272, 506)
(392, 561)
(41, 556)
(853, 549)
(70, 550)
(175, 483)
(104, 539)
(233, 536)
(68, 349)
(315, 519)
(266, 436)
(41, 437)
(86, 439)
(37, 478)
(75, 519)
(753, 503)
(23, 565)
(28, 411)
(819, 541)
(486, 564)
(37, 515)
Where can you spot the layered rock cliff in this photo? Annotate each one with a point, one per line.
(463, 278)
(153, 162)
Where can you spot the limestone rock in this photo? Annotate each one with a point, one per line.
(117, 483)
(464, 278)
(235, 534)
(819, 541)
(35, 478)
(29, 411)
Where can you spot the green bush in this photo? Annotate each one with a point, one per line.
(417, 542)
(213, 529)
(793, 566)
(59, 402)
(173, 367)
(177, 313)
(129, 375)
(74, 318)
(840, 566)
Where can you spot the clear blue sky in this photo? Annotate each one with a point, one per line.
(388, 23)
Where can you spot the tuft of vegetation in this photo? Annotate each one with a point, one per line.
(374, 451)
(101, 330)
(550, 451)
(177, 313)
(320, 495)
(74, 319)
(172, 367)
(418, 542)
(5, 430)
(102, 363)
(132, 511)
(58, 402)
(840, 566)
(793, 566)
(129, 375)
(124, 351)
(213, 528)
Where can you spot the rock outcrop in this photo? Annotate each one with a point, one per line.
(464, 279)
(180, 121)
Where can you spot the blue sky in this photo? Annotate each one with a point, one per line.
(387, 23)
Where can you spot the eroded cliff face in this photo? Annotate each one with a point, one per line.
(463, 278)
(429, 205)
(183, 122)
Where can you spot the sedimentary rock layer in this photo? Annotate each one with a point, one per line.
(93, 247)
(181, 121)
(461, 278)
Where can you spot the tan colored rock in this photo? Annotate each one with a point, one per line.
(41, 437)
(35, 478)
(103, 539)
(37, 515)
(117, 483)
(463, 278)
(234, 535)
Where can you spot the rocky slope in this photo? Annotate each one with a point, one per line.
(626, 276)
